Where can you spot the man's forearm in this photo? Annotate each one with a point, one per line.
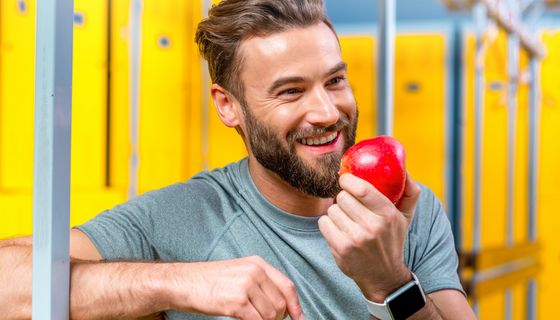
(117, 289)
(15, 277)
(97, 290)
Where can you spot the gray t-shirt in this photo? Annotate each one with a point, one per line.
(221, 215)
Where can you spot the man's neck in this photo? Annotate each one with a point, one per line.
(284, 196)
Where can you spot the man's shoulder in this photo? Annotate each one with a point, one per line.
(203, 186)
(428, 209)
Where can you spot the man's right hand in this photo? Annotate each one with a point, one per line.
(244, 288)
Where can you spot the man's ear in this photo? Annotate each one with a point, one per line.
(226, 105)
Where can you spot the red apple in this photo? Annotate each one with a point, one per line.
(380, 161)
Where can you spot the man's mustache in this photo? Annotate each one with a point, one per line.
(342, 122)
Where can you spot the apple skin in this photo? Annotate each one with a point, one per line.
(381, 162)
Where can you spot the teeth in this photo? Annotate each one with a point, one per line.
(318, 141)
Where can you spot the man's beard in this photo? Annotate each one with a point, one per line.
(319, 180)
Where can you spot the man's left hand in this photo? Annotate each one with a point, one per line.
(366, 235)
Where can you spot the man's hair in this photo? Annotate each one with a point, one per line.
(232, 21)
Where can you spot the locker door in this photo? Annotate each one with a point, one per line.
(17, 87)
(163, 94)
(549, 172)
(420, 102)
(494, 175)
(17, 72)
(359, 53)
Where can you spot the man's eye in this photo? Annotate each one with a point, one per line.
(290, 91)
(336, 80)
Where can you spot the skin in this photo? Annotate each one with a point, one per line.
(361, 227)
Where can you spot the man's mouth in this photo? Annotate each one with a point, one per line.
(321, 140)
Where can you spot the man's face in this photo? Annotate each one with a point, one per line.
(300, 114)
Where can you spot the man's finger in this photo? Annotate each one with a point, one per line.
(407, 204)
(356, 210)
(364, 192)
(262, 303)
(288, 289)
(342, 220)
(248, 312)
(335, 238)
(275, 297)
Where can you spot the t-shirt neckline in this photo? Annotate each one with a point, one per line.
(277, 215)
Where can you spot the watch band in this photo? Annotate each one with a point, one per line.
(381, 310)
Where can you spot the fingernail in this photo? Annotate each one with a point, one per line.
(302, 317)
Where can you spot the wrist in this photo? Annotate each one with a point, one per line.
(400, 304)
(161, 292)
(379, 290)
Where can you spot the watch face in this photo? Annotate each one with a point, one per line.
(407, 303)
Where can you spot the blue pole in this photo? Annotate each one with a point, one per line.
(386, 67)
(51, 191)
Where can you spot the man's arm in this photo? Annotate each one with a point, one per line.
(366, 235)
(16, 277)
(445, 304)
(246, 288)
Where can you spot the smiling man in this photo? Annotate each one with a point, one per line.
(278, 233)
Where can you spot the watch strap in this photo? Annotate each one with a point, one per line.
(381, 310)
(378, 310)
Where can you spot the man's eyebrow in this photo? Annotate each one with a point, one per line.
(295, 79)
(282, 81)
(339, 67)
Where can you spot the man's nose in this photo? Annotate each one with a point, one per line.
(321, 110)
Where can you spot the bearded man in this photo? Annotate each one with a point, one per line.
(278, 233)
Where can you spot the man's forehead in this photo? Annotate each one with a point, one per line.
(282, 40)
(293, 47)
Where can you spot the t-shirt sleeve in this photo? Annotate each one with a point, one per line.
(432, 250)
(124, 232)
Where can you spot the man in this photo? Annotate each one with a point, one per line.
(263, 238)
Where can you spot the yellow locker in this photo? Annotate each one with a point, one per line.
(170, 88)
(17, 101)
(495, 175)
(170, 103)
(89, 115)
(419, 107)
(119, 120)
(15, 217)
(194, 152)
(359, 53)
(17, 65)
(163, 94)
(17, 62)
(548, 187)
(89, 95)
(493, 178)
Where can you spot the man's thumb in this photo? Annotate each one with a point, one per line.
(407, 203)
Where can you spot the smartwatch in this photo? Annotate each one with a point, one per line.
(401, 304)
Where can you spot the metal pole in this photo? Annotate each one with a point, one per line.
(513, 47)
(454, 135)
(480, 17)
(386, 67)
(51, 191)
(535, 11)
(135, 66)
(513, 74)
(205, 101)
(479, 90)
(534, 128)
